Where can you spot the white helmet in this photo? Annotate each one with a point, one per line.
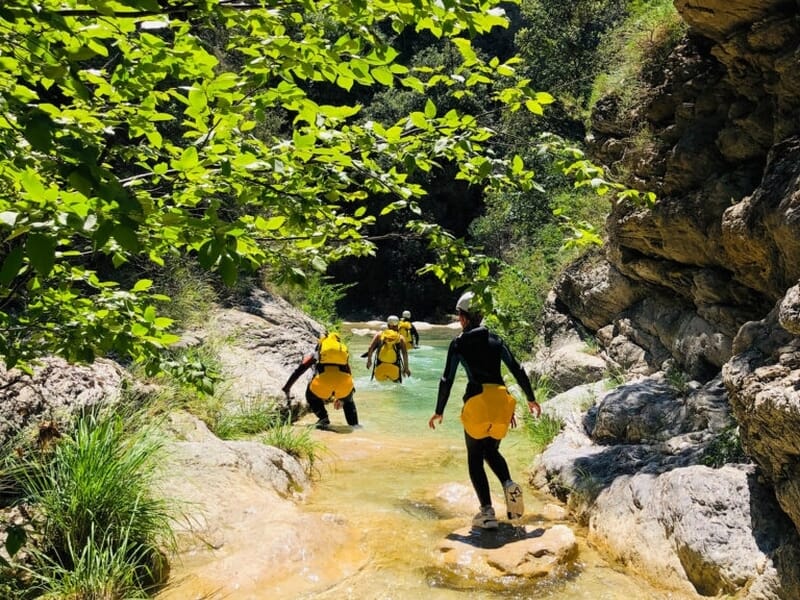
(392, 320)
(465, 302)
(406, 314)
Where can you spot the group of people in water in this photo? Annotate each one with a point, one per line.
(488, 409)
(333, 377)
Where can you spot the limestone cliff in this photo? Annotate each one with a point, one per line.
(708, 278)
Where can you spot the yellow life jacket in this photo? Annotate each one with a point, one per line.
(387, 351)
(387, 372)
(489, 413)
(332, 381)
(332, 351)
(404, 327)
(331, 384)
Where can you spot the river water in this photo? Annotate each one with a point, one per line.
(381, 479)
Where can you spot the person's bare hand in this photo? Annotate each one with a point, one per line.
(433, 420)
(535, 409)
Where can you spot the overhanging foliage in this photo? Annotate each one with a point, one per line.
(126, 136)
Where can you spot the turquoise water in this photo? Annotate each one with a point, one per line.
(384, 478)
(414, 400)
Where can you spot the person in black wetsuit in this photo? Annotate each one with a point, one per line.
(488, 407)
(332, 381)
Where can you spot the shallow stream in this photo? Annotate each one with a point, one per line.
(380, 478)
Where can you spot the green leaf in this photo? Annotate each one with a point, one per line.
(208, 253)
(271, 224)
(534, 107)
(344, 82)
(142, 285)
(228, 270)
(188, 160)
(413, 83)
(430, 109)
(383, 75)
(465, 48)
(38, 132)
(41, 251)
(32, 184)
(126, 237)
(319, 264)
(15, 539)
(418, 119)
(11, 266)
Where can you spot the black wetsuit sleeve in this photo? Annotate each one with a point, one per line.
(517, 371)
(305, 364)
(448, 376)
(414, 335)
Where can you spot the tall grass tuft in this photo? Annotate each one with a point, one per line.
(296, 441)
(540, 432)
(246, 419)
(101, 525)
(96, 569)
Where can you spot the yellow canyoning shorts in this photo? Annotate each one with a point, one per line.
(489, 413)
(387, 372)
(331, 384)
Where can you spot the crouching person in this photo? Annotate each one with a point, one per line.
(332, 381)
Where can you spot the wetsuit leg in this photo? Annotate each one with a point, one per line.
(316, 405)
(495, 460)
(349, 408)
(477, 474)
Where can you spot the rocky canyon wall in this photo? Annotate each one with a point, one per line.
(708, 279)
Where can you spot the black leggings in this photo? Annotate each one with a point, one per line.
(486, 449)
(317, 406)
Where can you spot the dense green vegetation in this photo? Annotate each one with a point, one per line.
(135, 132)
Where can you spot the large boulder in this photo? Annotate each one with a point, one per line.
(241, 530)
(497, 559)
(54, 392)
(259, 343)
(763, 382)
(632, 468)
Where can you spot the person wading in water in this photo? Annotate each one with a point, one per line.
(332, 381)
(391, 355)
(488, 409)
(407, 329)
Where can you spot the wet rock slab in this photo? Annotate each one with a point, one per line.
(468, 556)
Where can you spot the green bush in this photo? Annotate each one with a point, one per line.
(317, 297)
(725, 448)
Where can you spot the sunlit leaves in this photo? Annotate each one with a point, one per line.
(129, 137)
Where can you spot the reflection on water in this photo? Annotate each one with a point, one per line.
(384, 478)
